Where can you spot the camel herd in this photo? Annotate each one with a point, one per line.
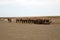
(36, 21)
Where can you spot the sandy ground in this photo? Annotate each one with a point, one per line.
(14, 31)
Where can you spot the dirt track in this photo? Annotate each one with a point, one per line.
(13, 31)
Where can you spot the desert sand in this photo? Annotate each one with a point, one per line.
(17, 31)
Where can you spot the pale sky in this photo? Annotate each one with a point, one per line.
(17, 8)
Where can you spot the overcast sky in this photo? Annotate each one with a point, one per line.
(11, 8)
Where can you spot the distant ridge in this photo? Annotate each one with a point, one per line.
(34, 17)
